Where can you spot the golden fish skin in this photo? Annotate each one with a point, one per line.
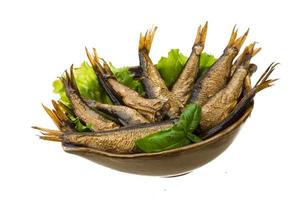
(218, 75)
(244, 103)
(82, 110)
(151, 109)
(247, 83)
(182, 88)
(120, 141)
(126, 115)
(220, 105)
(154, 85)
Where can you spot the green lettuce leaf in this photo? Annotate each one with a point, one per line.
(125, 77)
(87, 83)
(78, 125)
(206, 61)
(170, 67)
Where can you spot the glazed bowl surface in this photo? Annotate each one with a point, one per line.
(167, 163)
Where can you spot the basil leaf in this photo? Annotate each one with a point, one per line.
(189, 119)
(125, 77)
(193, 138)
(171, 66)
(179, 135)
(163, 140)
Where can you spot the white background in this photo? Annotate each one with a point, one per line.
(39, 39)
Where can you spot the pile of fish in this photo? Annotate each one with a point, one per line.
(224, 93)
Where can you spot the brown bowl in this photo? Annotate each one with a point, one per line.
(167, 163)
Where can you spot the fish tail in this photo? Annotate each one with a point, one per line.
(103, 69)
(48, 134)
(237, 43)
(50, 138)
(57, 121)
(90, 57)
(62, 112)
(97, 67)
(73, 80)
(60, 119)
(263, 81)
(249, 52)
(244, 59)
(103, 72)
(58, 116)
(58, 110)
(266, 74)
(201, 35)
(255, 51)
(232, 37)
(68, 80)
(146, 40)
(265, 84)
(107, 69)
(240, 41)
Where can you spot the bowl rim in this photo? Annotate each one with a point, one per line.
(206, 142)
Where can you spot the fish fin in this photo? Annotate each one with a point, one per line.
(53, 116)
(244, 58)
(248, 53)
(240, 41)
(201, 35)
(59, 111)
(107, 70)
(65, 108)
(103, 72)
(105, 66)
(50, 138)
(98, 68)
(255, 51)
(46, 131)
(58, 116)
(237, 43)
(251, 50)
(69, 81)
(232, 37)
(267, 73)
(145, 42)
(265, 84)
(90, 57)
(48, 134)
(73, 80)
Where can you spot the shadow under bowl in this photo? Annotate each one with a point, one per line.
(168, 163)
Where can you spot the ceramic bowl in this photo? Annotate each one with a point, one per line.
(173, 162)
